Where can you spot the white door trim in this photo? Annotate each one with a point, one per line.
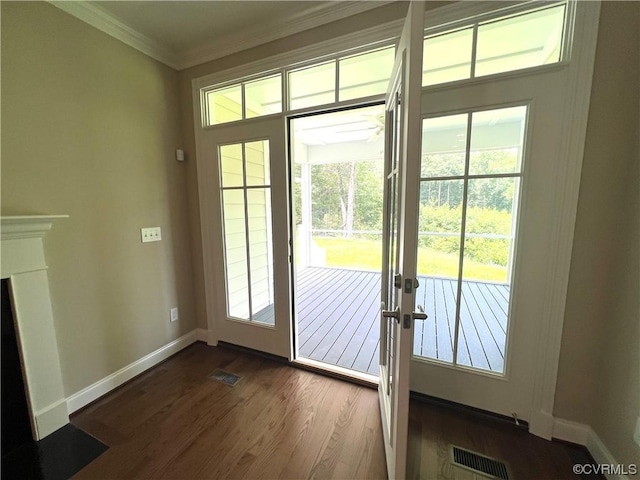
(576, 113)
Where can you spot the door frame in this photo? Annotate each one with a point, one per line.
(576, 108)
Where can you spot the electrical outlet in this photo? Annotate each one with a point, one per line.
(174, 314)
(151, 234)
(636, 435)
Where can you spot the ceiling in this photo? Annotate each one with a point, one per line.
(186, 33)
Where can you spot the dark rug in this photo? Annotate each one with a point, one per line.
(58, 456)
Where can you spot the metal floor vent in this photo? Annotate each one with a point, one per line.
(479, 463)
(225, 377)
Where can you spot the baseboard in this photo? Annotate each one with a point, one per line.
(51, 418)
(91, 393)
(573, 432)
(582, 434)
(541, 425)
(602, 455)
(202, 335)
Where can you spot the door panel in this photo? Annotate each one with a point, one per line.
(485, 359)
(252, 309)
(402, 152)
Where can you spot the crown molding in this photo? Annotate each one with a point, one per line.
(109, 24)
(289, 25)
(307, 19)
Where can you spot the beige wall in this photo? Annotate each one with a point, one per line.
(599, 376)
(89, 128)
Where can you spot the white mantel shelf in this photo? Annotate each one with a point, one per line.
(27, 226)
(24, 265)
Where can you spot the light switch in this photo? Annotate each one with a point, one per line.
(150, 234)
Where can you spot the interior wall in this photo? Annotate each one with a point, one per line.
(599, 375)
(89, 129)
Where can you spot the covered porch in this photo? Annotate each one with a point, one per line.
(338, 319)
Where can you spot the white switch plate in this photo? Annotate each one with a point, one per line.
(636, 435)
(151, 234)
(174, 314)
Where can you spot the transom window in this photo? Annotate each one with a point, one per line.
(500, 44)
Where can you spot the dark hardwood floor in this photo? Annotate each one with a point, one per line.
(432, 429)
(277, 422)
(282, 422)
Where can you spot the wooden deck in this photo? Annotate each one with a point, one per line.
(338, 319)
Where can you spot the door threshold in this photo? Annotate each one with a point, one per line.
(336, 371)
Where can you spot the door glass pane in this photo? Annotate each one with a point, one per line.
(444, 143)
(486, 281)
(366, 74)
(224, 105)
(497, 137)
(260, 248)
(312, 86)
(231, 165)
(235, 248)
(447, 57)
(440, 223)
(246, 210)
(257, 163)
(263, 97)
(518, 42)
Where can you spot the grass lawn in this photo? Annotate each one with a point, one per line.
(367, 254)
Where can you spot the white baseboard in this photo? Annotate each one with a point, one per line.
(572, 431)
(541, 425)
(582, 434)
(602, 455)
(102, 387)
(202, 335)
(51, 418)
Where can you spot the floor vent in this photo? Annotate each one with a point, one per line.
(225, 377)
(479, 463)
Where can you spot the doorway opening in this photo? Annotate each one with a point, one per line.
(336, 172)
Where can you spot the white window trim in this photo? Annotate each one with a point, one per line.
(577, 99)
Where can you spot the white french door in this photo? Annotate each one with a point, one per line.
(402, 153)
(244, 164)
(489, 167)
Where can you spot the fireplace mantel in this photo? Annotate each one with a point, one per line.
(24, 265)
(27, 226)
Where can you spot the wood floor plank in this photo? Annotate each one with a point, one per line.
(325, 301)
(327, 310)
(344, 322)
(336, 325)
(277, 422)
(491, 305)
(491, 349)
(355, 323)
(435, 429)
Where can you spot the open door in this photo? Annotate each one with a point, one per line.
(402, 171)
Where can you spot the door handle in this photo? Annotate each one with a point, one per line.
(420, 315)
(392, 314)
(408, 319)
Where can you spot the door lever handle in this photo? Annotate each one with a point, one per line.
(420, 315)
(392, 314)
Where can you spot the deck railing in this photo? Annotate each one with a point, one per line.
(378, 233)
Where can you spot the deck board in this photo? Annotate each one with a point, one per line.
(338, 319)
